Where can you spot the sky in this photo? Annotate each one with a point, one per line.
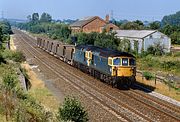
(149, 10)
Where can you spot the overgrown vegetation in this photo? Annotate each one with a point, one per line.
(13, 55)
(156, 49)
(156, 63)
(18, 105)
(148, 75)
(15, 104)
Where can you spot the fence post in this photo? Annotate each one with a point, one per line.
(155, 79)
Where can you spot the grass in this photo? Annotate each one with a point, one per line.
(166, 64)
(3, 118)
(40, 92)
(46, 98)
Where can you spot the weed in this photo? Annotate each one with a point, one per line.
(148, 75)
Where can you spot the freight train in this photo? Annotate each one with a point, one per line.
(110, 66)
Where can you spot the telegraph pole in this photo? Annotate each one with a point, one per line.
(112, 15)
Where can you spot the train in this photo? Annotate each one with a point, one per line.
(110, 66)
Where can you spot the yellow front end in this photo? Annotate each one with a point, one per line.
(123, 69)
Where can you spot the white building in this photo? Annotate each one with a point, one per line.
(145, 38)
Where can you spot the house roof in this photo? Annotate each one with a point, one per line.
(82, 22)
(105, 52)
(134, 33)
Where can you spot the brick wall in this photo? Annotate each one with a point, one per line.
(111, 26)
(94, 26)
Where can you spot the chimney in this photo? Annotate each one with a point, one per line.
(107, 18)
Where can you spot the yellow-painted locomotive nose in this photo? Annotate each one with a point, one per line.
(125, 71)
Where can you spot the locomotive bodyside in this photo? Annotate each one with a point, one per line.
(108, 65)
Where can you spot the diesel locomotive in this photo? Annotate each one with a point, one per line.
(110, 66)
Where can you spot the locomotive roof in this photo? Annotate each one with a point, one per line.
(105, 52)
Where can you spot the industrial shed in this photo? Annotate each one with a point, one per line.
(142, 39)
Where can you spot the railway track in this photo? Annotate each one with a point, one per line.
(100, 95)
(160, 102)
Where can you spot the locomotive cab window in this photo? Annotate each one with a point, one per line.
(125, 61)
(132, 62)
(117, 61)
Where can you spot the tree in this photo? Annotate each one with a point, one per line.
(167, 29)
(173, 19)
(140, 23)
(155, 25)
(124, 45)
(175, 37)
(1, 35)
(6, 27)
(132, 26)
(29, 17)
(72, 110)
(35, 17)
(84, 38)
(45, 17)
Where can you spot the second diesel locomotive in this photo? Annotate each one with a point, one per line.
(110, 66)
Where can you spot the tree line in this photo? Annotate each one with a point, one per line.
(62, 32)
(44, 25)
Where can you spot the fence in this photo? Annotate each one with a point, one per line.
(170, 79)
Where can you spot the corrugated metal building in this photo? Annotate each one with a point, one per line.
(145, 38)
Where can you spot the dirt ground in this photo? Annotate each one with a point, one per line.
(160, 87)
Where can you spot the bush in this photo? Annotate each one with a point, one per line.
(18, 57)
(10, 80)
(1, 59)
(15, 56)
(72, 110)
(148, 75)
(157, 49)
